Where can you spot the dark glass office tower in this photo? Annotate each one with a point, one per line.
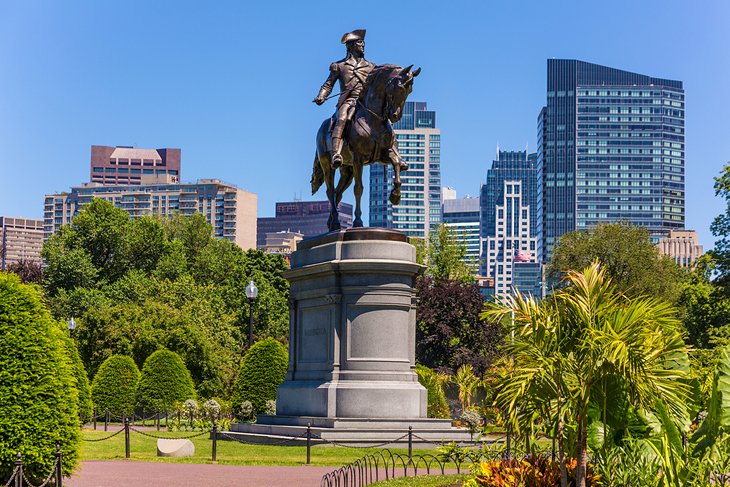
(611, 148)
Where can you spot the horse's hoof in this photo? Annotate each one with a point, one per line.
(357, 223)
(395, 197)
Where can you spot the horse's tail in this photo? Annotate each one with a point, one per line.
(317, 174)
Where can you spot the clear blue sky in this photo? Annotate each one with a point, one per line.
(231, 84)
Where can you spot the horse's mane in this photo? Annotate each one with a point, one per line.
(376, 75)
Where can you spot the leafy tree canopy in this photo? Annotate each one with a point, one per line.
(444, 256)
(626, 253)
(137, 285)
(449, 331)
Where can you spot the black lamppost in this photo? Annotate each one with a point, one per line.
(251, 293)
(71, 327)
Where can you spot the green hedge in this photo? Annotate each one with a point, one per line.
(437, 406)
(86, 407)
(165, 382)
(38, 398)
(115, 385)
(262, 370)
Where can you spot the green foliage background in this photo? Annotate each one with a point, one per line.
(38, 397)
(136, 286)
(437, 406)
(165, 382)
(115, 385)
(262, 370)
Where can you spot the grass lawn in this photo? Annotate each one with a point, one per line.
(424, 481)
(144, 448)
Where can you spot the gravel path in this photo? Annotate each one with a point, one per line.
(115, 473)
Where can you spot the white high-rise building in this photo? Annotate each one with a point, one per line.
(511, 254)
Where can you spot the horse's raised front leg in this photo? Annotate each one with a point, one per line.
(357, 173)
(395, 192)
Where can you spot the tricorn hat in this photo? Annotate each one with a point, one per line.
(353, 36)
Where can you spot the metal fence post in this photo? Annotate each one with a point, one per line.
(215, 440)
(95, 414)
(106, 419)
(59, 469)
(410, 442)
(166, 425)
(158, 420)
(191, 418)
(19, 470)
(143, 418)
(309, 443)
(126, 437)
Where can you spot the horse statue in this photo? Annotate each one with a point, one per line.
(368, 138)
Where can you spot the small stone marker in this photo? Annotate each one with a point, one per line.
(175, 448)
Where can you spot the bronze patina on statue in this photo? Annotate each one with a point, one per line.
(360, 132)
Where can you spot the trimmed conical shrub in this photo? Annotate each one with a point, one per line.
(38, 399)
(165, 382)
(263, 369)
(86, 407)
(115, 385)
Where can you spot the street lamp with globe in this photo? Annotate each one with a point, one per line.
(251, 293)
(71, 327)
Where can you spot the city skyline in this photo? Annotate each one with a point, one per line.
(196, 94)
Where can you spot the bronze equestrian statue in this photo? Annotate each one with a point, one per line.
(361, 131)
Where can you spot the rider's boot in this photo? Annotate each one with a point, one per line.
(336, 152)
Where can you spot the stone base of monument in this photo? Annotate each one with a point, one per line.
(361, 432)
(352, 333)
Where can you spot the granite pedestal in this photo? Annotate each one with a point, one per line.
(352, 342)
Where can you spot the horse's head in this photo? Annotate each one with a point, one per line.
(397, 89)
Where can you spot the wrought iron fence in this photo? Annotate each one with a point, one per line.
(19, 477)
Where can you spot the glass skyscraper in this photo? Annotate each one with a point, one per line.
(461, 215)
(508, 166)
(419, 143)
(611, 148)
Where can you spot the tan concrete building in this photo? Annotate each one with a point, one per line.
(20, 239)
(682, 246)
(281, 242)
(231, 211)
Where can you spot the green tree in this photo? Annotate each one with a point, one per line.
(263, 369)
(721, 228)
(706, 306)
(29, 271)
(165, 383)
(443, 256)
(574, 347)
(86, 407)
(115, 385)
(434, 384)
(39, 405)
(627, 254)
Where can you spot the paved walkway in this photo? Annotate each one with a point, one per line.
(115, 473)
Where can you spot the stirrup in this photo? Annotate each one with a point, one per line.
(336, 160)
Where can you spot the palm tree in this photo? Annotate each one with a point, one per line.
(585, 336)
(467, 383)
